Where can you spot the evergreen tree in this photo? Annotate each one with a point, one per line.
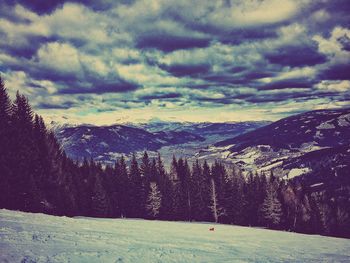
(239, 199)
(22, 180)
(137, 204)
(177, 192)
(217, 192)
(123, 188)
(154, 201)
(5, 146)
(187, 188)
(113, 189)
(197, 193)
(271, 208)
(99, 199)
(205, 189)
(145, 171)
(166, 189)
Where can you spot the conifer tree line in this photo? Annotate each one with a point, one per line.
(37, 176)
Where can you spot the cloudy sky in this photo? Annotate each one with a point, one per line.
(104, 62)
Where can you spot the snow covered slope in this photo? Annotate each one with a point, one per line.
(26, 237)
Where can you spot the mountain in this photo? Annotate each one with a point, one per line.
(212, 132)
(290, 145)
(106, 143)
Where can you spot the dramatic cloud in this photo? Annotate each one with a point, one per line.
(199, 60)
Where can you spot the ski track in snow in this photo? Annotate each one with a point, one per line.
(27, 237)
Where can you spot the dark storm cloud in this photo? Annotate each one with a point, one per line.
(38, 6)
(224, 79)
(118, 86)
(247, 78)
(224, 101)
(236, 69)
(168, 43)
(161, 96)
(186, 70)
(338, 6)
(296, 56)
(247, 35)
(263, 98)
(287, 84)
(336, 72)
(258, 74)
(48, 6)
(64, 105)
(345, 41)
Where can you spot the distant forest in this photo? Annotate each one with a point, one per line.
(37, 176)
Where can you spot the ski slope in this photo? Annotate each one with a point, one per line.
(26, 237)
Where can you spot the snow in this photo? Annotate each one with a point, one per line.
(86, 137)
(344, 120)
(315, 185)
(318, 135)
(270, 166)
(26, 237)
(298, 171)
(104, 144)
(115, 129)
(310, 147)
(325, 125)
(250, 154)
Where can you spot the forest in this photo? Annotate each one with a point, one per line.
(37, 176)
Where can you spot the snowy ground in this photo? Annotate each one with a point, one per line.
(26, 237)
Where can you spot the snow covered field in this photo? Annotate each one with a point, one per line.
(26, 237)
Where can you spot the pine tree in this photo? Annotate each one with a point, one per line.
(22, 179)
(205, 188)
(182, 190)
(271, 208)
(137, 204)
(217, 195)
(145, 171)
(238, 198)
(166, 189)
(187, 185)
(5, 147)
(177, 193)
(123, 188)
(112, 175)
(197, 193)
(154, 201)
(214, 207)
(99, 199)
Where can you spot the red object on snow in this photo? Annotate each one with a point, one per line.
(211, 229)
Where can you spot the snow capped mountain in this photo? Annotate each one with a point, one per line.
(106, 143)
(284, 145)
(212, 132)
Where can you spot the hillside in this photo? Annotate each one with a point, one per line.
(322, 128)
(284, 145)
(26, 237)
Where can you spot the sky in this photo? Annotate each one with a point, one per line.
(104, 62)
